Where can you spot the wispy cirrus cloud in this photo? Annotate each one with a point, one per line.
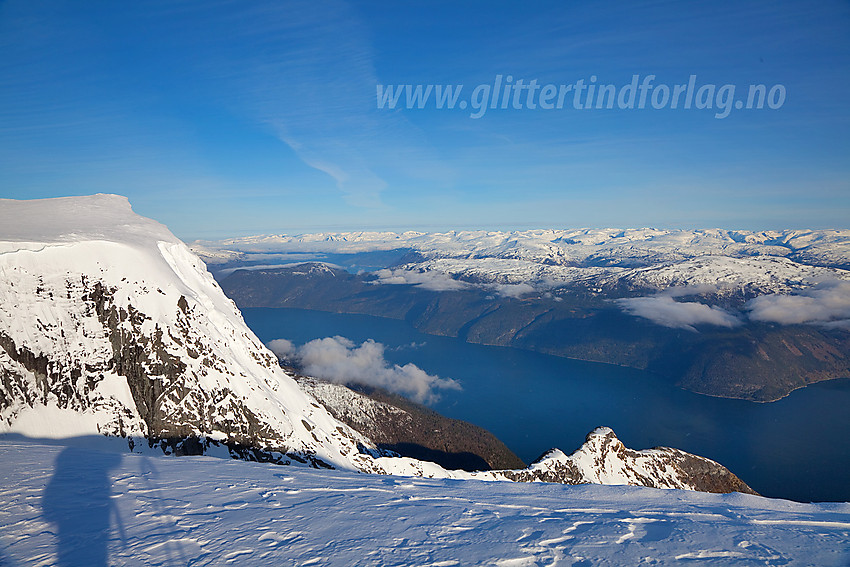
(148, 84)
(305, 69)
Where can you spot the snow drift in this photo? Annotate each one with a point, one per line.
(66, 504)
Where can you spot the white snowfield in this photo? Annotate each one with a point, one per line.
(762, 262)
(73, 505)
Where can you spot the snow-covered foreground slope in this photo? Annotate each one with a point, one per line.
(70, 505)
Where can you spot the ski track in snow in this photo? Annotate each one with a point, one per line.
(143, 510)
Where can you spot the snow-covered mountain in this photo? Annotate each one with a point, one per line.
(602, 259)
(110, 325)
(603, 459)
(564, 247)
(609, 295)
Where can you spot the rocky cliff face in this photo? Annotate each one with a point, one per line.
(110, 325)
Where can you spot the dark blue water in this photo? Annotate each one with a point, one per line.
(795, 448)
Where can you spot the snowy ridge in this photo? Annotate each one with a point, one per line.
(603, 459)
(754, 276)
(110, 325)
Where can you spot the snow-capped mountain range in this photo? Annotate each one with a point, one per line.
(645, 259)
(763, 313)
(111, 325)
(562, 247)
(784, 277)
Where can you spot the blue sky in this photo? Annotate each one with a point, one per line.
(233, 118)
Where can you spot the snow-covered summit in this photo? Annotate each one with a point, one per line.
(77, 219)
(603, 459)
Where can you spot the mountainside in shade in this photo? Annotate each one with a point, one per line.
(397, 424)
(110, 325)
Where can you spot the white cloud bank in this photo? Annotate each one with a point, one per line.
(434, 281)
(827, 304)
(438, 281)
(337, 359)
(664, 310)
(513, 290)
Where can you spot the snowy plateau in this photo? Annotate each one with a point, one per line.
(117, 346)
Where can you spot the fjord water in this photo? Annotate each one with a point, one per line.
(795, 448)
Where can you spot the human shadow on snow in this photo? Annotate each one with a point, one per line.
(78, 501)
